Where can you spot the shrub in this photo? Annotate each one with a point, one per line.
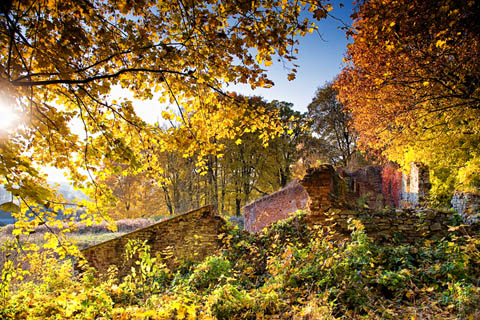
(211, 272)
(59, 295)
(230, 302)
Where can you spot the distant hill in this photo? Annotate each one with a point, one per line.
(65, 189)
(5, 217)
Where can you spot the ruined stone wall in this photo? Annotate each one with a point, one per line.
(404, 225)
(326, 190)
(320, 189)
(467, 204)
(391, 185)
(366, 186)
(276, 206)
(380, 186)
(332, 200)
(329, 205)
(190, 236)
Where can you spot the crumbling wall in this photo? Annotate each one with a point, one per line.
(276, 206)
(467, 204)
(332, 198)
(320, 190)
(404, 225)
(330, 205)
(325, 189)
(386, 185)
(365, 186)
(376, 186)
(190, 236)
(391, 185)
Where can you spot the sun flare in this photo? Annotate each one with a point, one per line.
(8, 117)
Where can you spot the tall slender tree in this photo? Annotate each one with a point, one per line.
(331, 122)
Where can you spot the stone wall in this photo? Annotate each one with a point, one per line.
(324, 188)
(391, 185)
(326, 191)
(404, 225)
(467, 204)
(320, 190)
(323, 191)
(380, 186)
(190, 236)
(332, 204)
(332, 200)
(276, 206)
(366, 185)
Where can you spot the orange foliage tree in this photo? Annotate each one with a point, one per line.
(412, 85)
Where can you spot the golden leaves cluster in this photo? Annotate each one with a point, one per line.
(59, 61)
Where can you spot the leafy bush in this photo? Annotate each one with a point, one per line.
(286, 272)
(208, 274)
(59, 296)
(231, 302)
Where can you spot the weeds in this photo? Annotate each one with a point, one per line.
(286, 272)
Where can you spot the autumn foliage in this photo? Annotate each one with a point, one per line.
(411, 92)
(411, 82)
(60, 60)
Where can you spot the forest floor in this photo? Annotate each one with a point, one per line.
(288, 271)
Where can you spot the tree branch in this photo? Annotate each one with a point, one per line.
(91, 79)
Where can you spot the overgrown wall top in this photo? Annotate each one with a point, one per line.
(403, 225)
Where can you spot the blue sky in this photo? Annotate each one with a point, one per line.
(320, 60)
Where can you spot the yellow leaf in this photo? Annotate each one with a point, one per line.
(166, 115)
(410, 294)
(440, 43)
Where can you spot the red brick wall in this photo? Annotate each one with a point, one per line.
(366, 183)
(392, 185)
(276, 206)
(324, 187)
(326, 190)
(319, 190)
(330, 197)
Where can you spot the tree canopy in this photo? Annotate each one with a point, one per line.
(332, 124)
(60, 59)
(412, 83)
(245, 171)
